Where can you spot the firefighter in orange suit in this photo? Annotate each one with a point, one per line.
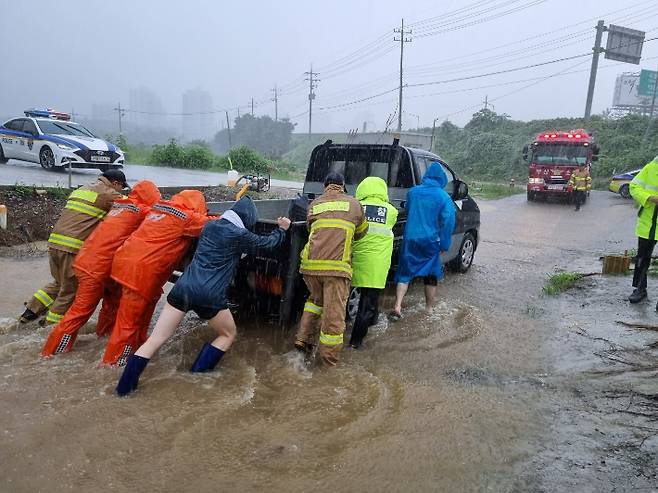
(93, 265)
(334, 221)
(144, 264)
(84, 210)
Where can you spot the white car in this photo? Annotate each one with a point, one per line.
(52, 140)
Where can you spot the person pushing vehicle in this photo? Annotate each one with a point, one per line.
(93, 266)
(84, 210)
(371, 258)
(203, 288)
(144, 264)
(334, 221)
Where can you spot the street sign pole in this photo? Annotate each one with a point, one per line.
(592, 74)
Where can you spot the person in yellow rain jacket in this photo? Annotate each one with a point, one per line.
(644, 189)
(581, 183)
(334, 221)
(371, 259)
(84, 210)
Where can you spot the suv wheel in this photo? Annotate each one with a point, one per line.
(47, 158)
(624, 191)
(352, 305)
(3, 159)
(464, 258)
(531, 196)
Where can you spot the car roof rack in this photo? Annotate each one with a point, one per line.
(47, 113)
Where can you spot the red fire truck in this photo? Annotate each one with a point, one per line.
(553, 156)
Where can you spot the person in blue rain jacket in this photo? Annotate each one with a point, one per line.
(427, 235)
(203, 288)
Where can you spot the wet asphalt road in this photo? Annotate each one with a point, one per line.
(20, 172)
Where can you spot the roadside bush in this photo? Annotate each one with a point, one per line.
(247, 160)
(177, 156)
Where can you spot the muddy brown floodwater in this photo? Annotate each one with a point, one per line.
(497, 389)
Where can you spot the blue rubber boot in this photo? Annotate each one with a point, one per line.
(130, 377)
(207, 359)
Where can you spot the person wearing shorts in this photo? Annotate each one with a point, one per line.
(203, 289)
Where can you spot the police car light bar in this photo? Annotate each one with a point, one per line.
(47, 113)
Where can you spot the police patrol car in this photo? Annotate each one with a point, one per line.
(51, 139)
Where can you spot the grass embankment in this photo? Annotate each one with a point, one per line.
(560, 282)
(492, 191)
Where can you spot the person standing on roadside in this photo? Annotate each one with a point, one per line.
(371, 258)
(203, 289)
(581, 184)
(644, 189)
(334, 221)
(93, 265)
(84, 210)
(427, 236)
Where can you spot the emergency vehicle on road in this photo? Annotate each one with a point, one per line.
(51, 139)
(553, 157)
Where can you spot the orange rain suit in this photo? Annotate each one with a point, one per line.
(144, 264)
(93, 265)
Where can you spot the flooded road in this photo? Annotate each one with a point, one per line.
(24, 173)
(497, 389)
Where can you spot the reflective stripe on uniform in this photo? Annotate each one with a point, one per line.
(321, 265)
(332, 223)
(380, 230)
(311, 307)
(362, 227)
(644, 185)
(63, 240)
(331, 339)
(90, 210)
(334, 205)
(53, 317)
(81, 193)
(44, 298)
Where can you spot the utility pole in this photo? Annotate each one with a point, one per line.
(600, 28)
(312, 84)
(228, 128)
(252, 106)
(276, 104)
(238, 112)
(121, 113)
(486, 101)
(402, 41)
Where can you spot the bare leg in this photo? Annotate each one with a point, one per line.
(224, 325)
(163, 330)
(430, 295)
(400, 291)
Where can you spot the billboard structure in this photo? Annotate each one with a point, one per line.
(627, 96)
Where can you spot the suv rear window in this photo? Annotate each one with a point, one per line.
(390, 164)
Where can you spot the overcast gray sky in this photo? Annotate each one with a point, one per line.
(70, 54)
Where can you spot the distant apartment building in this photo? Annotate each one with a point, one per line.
(198, 122)
(145, 107)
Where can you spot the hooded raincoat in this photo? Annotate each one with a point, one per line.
(149, 256)
(204, 284)
(144, 263)
(371, 255)
(428, 232)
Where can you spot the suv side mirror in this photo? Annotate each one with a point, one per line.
(525, 152)
(460, 190)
